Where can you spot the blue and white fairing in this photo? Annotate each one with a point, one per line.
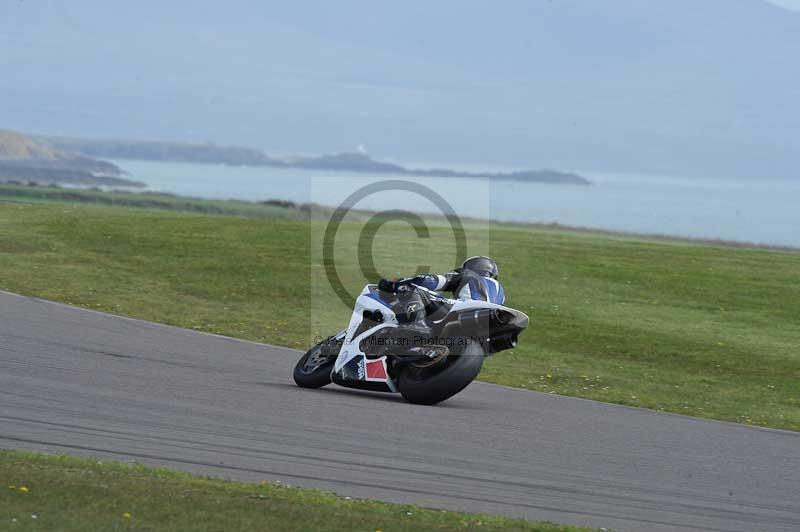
(351, 357)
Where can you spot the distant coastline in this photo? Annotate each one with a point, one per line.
(24, 160)
(149, 150)
(42, 175)
(65, 160)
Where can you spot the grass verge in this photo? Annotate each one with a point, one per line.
(43, 492)
(709, 331)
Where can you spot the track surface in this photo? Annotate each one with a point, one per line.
(82, 382)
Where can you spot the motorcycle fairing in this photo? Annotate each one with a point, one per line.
(352, 365)
(351, 347)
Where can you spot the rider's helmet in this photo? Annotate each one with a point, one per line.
(483, 266)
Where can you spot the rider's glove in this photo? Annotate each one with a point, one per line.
(385, 285)
(394, 287)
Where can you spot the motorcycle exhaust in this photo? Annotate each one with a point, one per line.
(502, 342)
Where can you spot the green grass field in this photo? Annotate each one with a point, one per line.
(674, 326)
(40, 492)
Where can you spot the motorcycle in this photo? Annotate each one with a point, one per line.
(432, 368)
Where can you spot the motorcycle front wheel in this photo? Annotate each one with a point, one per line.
(434, 384)
(313, 370)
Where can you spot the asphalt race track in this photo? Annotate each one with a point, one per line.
(86, 383)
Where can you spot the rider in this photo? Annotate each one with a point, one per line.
(476, 279)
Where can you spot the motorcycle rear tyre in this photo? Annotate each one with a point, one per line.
(460, 371)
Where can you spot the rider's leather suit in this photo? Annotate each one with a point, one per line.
(413, 307)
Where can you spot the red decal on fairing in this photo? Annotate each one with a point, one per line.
(375, 370)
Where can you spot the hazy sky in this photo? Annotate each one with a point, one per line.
(788, 4)
(696, 87)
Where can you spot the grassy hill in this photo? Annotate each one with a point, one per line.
(16, 146)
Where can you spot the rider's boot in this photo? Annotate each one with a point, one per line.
(411, 313)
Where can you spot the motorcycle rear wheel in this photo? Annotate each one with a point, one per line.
(431, 385)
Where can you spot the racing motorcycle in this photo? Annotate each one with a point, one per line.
(426, 370)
